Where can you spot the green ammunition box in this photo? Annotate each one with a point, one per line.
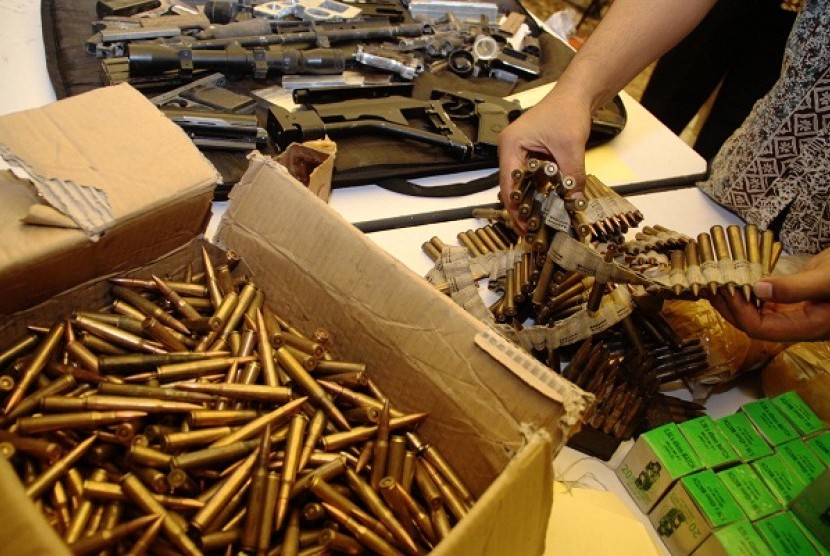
(750, 492)
(744, 437)
(820, 445)
(801, 458)
(784, 482)
(738, 539)
(784, 536)
(797, 412)
(770, 422)
(820, 547)
(812, 507)
(658, 458)
(696, 505)
(708, 442)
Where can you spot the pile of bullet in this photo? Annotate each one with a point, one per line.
(189, 417)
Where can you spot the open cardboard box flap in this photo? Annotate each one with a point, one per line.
(110, 182)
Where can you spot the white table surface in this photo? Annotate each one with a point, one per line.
(644, 152)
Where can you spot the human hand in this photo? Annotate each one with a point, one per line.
(795, 307)
(557, 128)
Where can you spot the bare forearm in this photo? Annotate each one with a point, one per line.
(631, 35)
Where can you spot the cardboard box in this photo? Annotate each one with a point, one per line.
(744, 437)
(708, 442)
(737, 539)
(696, 505)
(98, 183)
(801, 458)
(784, 536)
(317, 270)
(797, 412)
(820, 445)
(770, 422)
(812, 506)
(783, 481)
(820, 547)
(750, 492)
(657, 459)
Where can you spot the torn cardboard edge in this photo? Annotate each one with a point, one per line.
(312, 164)
(71, 205)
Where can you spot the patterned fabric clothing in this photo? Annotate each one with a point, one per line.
(775, 169)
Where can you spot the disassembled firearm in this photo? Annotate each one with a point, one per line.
(254, 454)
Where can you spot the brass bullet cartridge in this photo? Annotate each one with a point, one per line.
(327, 472)
(82, 355)
(18, 348)
(152, 478)
(275, 418)
(486, 239)
(60, 502)
(452, 500)
(214, 293)
(465, 240)
(231, 485)
(175, 441)
(180, 482)
(222, 313)
(78, 420)
(419, 515)
(108, 538)
(96, 402)
(142, 497)
(216, 418)
(440, 522)
(256, 496)
(329, 495)
(225, 278)
(154, 393)
(206, 457)
(118, 336)
(82, 514)
(183, 307)
(429, 491)
(266, 528)
(381, 449)
(212, 542)
(316, 427)
(340, 440)
(767, 240)
(313, 511)
(490, 214)
(272, 327)
(721, 246)
(707, 255)
(752, 238)
(142, 545)
(195, 369)
(365, 456)
(678, 264)
(291, 460)
(101, 346)
(379, 508)
(147, 307)
(266, 355)
(777, 249)
(233, 512)
(363, 415)
(180, 287)
(31, 403)
(162, 334)
(396, 505)
(408, 471)
(128, 323)
(339, 542)
(7, 450)
(433, 456)
(305, 345)
(308, 361)
(738, 250)
(245, 392)
(134, 362)
(310, 387)
(335, 366)
(144, 455)
(6, 383)
(246, 297)
(202, 324)
(42, 354)
(291, 537)
(692, 260)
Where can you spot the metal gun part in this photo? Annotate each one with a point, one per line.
(406, 66)
(206, 93)
(388, 116)
(219, 130)
(307, 10)
(492, 113)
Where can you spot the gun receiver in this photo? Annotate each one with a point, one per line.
(219, 130)
(390, 116)
(491, 113)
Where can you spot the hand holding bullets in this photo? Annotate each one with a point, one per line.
(189, 417)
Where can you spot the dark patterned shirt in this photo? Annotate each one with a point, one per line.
(776, 166)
